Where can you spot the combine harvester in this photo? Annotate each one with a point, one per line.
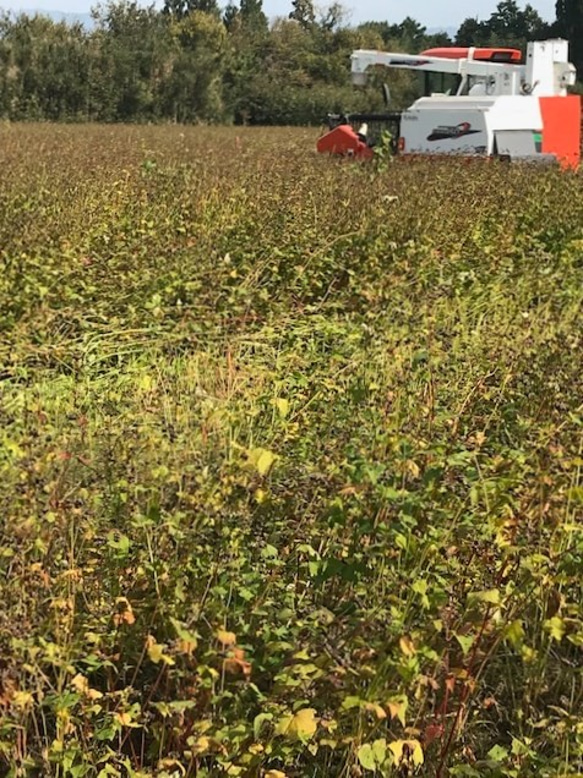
(496, 107)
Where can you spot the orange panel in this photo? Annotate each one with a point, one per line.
(562, 128)
(343, 140)
(513, 56)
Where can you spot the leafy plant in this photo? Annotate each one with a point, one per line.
(290, 460)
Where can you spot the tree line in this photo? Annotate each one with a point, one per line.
(192, 61)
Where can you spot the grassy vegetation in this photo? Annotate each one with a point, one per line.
(291, 466)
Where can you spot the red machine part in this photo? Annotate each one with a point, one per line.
(562, 129)
(343, 140)
(512, 56)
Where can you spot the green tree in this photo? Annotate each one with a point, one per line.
(248, 41)
(252, 16)
(333, 17)
(471, 32)
(508, 20)
(181, 8)
(230, 16)
(408, 35)
(508, 25)
(569, 25)
(44, 69)
(130, 47)
(303, 12)
(193, 89)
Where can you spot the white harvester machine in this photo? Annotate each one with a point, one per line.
(496, 106)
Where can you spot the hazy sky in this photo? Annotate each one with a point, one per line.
(433, 14)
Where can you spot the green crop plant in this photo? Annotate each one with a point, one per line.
(290, 460)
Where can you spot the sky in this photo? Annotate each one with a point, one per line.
(446, 13)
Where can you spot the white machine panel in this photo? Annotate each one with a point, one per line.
(516, 143)
(446, 126)
(511, 113)
(466, 125)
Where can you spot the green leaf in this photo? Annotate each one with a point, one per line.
(379, 748)
(420, 588)
(258, 722)
(498, 754)
(464, 771)
(521, 749)
(576, 494)
(118, 541)
(556, 628)
(514, 633)
(466, 642)
(492, 597)
(366, 757)
(183, 633)
(351, 702)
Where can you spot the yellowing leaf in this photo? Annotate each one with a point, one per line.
(304, 724)
(21, 699)
(12, 447)
(379, 712)
(260, 496)
(396, 748)
(282, 406)
(187, 647)
(408, 751)
(262, 460)
(274, 774)
(407, 646)
(201, 745)
(124, 613)
(418, 756)
(556, 628)
(156, 652)
(398, 708)
(145, 383)
(413, 468)
(226, 638)
(237, 664)
(80, 684)
(301, 726)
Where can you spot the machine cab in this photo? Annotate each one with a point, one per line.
(446, 84)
